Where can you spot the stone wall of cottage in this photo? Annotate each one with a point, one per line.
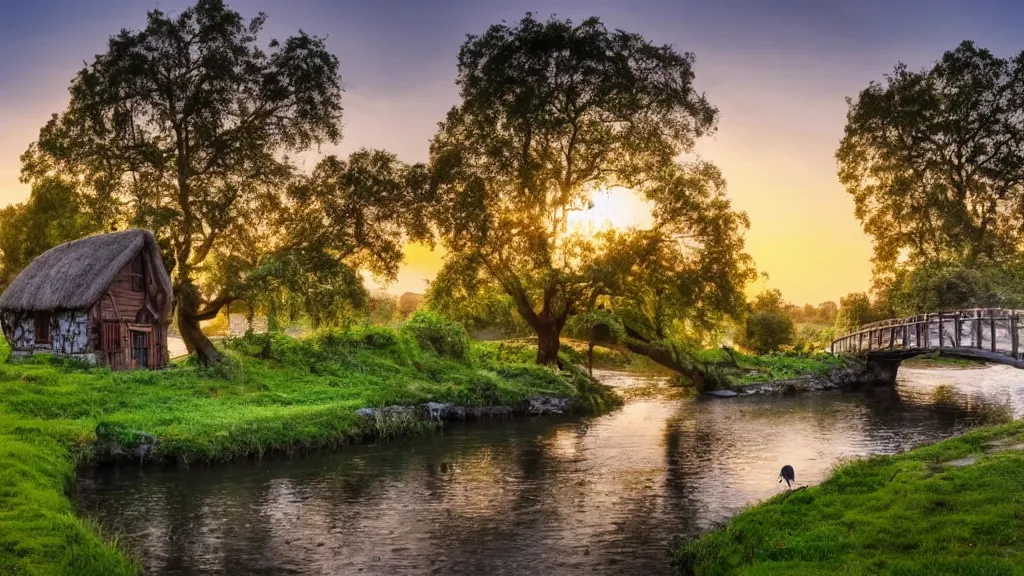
(19, 329)
(70, 332)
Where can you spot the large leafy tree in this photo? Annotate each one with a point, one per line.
(935, 160)
(303, 257)
(186, 127)
(54, 213)
(552, 111)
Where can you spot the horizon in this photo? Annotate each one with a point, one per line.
(778, 74)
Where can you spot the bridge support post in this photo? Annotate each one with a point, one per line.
(881, 370)
(876, 369)
(956, 335)
(1013, 334)
(992, 324)
(927, 330)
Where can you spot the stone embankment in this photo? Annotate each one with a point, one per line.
(538, 406)
(853, 376)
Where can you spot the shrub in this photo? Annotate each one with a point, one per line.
(437, 334)
(767, 327)
(767, 331)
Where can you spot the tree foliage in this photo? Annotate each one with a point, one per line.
(935, 160)
(185, 127)
(767, 327)
(940, 286)
(551, 112)
(345, 216)
(855, 309)
(476, 304)
(596, 327)
(53, 214)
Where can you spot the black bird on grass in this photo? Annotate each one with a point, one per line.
(788, 475)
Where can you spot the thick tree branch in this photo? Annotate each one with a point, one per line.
(210, 311)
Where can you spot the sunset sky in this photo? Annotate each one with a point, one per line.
(778, 71)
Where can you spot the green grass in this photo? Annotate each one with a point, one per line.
(910, 514)
(753, 369)
(271, 394)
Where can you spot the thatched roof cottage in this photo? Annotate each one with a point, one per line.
(105, 299)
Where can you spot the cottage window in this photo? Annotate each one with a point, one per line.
(136, 275)
(42, 327)
(140, 349)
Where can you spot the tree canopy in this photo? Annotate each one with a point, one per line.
(552, 111)
(53, 214)
(935, 160)
(186, 128)
(768, 326)
(855, 309)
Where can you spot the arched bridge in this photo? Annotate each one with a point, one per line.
(990, 334)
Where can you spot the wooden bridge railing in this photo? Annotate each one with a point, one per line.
(989, 330)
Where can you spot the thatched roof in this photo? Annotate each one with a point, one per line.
(74, 275)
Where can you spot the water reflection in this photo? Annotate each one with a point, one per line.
(603, 495)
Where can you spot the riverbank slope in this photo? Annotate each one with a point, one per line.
(953, 507)
(272, 394)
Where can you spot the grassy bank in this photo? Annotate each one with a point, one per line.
(954, 507)
(736, 369)
(272, 394)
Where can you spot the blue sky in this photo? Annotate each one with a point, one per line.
(778, 71)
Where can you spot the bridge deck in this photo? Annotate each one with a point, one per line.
(992, 334)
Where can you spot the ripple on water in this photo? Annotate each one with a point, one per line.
(601, 495)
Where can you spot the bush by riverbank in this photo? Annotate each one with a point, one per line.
(954, 507)
(273, 393)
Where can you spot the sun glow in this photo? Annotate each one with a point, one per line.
(612, 208)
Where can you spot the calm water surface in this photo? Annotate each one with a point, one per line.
(605, 495)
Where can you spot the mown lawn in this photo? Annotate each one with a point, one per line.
(272, 394)
(954, 507)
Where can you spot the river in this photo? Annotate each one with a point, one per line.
(603, 495)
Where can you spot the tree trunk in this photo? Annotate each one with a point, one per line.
(666, 358)
(548, 344)
(188, 325)
(195, 341)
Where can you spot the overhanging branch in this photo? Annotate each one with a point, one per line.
(213, 308)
